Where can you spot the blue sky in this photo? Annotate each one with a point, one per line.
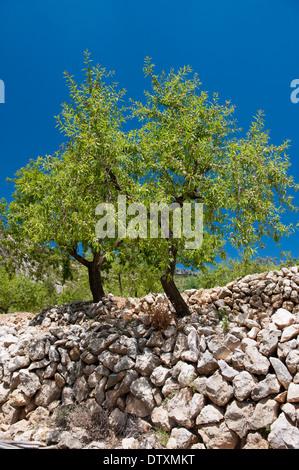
(246, 51)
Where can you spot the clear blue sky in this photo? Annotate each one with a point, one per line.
(247, 51)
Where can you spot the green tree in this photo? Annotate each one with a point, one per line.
(55, 196)
(192, 152)
(186, 149)
(133, 274)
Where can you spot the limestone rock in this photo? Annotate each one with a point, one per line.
(117, 420)
(160, 418)
(142, 390)
(289, 332)
(146, 362)
(254, 361)
(179, 408)
(159, 375)
(266, 387)
(187, 374)
(130, 443)
(281, 371)
(237, 417)
(293, 393)
(210, 414)
(283, 318)
(29, 382)
(283, 435)
(292, 361)
(18, 398)
(218, 436)
(123, 364)
(254, 440)
(218, 389)
(181, 438)
(48, 392)
(228, 372)
(267, 339)
(37, 350)
(265, 413)
(4, 393)
(207, 364)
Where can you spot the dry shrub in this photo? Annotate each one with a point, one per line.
(79, 416)
(161, 317)
(98, 425)
(95, 422)
(129, 427)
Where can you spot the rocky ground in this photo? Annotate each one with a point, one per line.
(130, 375)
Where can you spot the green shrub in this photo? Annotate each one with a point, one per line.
(231, 269)
(19, 293)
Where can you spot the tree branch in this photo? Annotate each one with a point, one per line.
(79, 258)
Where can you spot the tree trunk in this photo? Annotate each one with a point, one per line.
(94, 272)
(95, 281)
(120, 285)
(171, 289)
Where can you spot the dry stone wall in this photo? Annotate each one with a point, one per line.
(227, 376)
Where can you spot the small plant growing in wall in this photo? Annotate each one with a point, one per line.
(163, 435)
(223, 317)
(225, 324)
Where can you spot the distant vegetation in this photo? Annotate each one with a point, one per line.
(230, 269)
(19, 293)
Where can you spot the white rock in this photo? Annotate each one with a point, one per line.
(149, 299)
(181, 438)
(243, 385)
(4, 392)
(160, 418)
(264, 414)
(179, 408)
(186, 375)
(218, 389)
(254, 361)
(216, 436)
(142, 389)
(290, 411)
(281, 371)
(237, 417)
(210, 414)
(289, 332)
(8, 339)
(227, 371)
(29, 382)
(196, 404)
(283, 318)
(292, 361)
(293, 393)
(268, 386)
(130, 443)
(268, 338)
(159, 375)
(283, 434)
(255, 441)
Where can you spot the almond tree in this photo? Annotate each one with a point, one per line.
(55, 196)
(192, 152)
